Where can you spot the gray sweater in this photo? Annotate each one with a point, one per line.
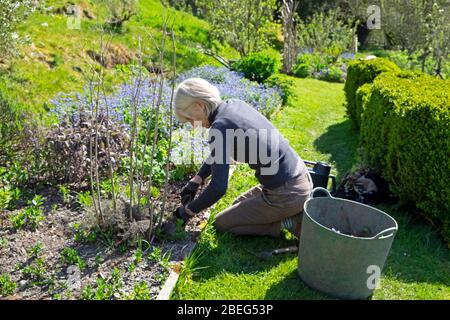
(269, 154)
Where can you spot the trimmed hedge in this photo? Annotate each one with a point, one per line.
(405, 134)
(359, 73)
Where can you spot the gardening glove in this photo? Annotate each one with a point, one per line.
(188, 192)
(181, 213)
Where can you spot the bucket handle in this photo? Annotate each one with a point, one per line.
(327, 193)
(382, 234)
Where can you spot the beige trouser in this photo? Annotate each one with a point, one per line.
(259, 211)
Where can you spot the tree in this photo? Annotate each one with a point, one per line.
(12, 13)
(245, 24)
(326, 33)
(437, 38)
(288, 14)
(121, 11)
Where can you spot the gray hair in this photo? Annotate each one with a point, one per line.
(194, 90)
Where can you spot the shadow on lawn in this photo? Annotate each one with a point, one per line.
(238, 254)
(418, 254)
(341, 141)
(293, 288)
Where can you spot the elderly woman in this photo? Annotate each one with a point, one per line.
(266, 209)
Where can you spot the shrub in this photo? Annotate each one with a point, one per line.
(315, 61)
(12, 14)
(302, 70)
(71, 147)
(332, 74)
(360, 72)
(326, 33)
(405, 134)
(362, 94)
(258, 66)
(121, 11)
(284, 83)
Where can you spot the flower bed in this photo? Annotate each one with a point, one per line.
(71, 253)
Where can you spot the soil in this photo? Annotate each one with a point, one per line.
(65, 281)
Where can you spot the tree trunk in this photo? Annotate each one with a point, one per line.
(288, 10)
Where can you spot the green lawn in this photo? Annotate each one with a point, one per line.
(223, 266)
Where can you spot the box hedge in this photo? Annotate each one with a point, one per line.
(359, 73)
(405, 134)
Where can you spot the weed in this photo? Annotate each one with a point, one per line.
(65, 193)
(31, 216)
(99, 260)
(140, 292)
(7, 286)
(70, 256)
(36, 250)
(106, 289)
(35, 271)
(3, 242)
(84, 199)
(82, 235)
(161, 258)
(137, 255)
(9, 197)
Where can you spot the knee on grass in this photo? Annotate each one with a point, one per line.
(220, 224)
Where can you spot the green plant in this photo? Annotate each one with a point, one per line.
(12, 14)
(106, 289)
(84, 199)
(361, 72)
(140, 292)
(31, 216)
(310, 63)
(84, 235)
(107, 185)
(326, 33)
(258, 66)
(120, 12)
(35, 271)
(180, 232)
(405, 134)
(332, 74)
(70, 256)
(17, 174)
(159, 257)
(9, 197)
(36, 250)
(246, 25)
(302, 70)
(65, 193)
(7, 286)
(11, 177)
(282, 82)
(137, 257)
(99, 260)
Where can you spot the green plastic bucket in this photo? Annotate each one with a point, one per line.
(343, 245)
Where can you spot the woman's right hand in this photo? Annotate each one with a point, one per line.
(189, 191)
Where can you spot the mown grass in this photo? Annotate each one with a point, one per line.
(225, 267)
(56, 59)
